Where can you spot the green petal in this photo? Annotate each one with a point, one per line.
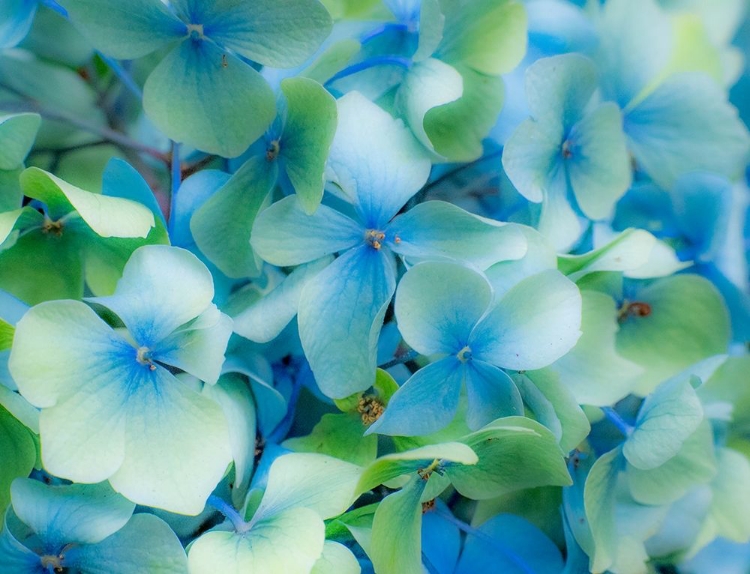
(291, 541)
(19, 454)
(396, 531)
(145, 544)
(489, 36)
(592, 370)
(311, 118)
(232, 209)
(431, 317)
(694, 464)
(426, 85)
(456, 129)
(17, 134)
(277, 33)
(314, 481)
(125, 31)
(107, 216)
(431, 26)
(533, 325)
(666, 419)
(76, 513)
(339, 436)
(514, 453)
(336, 559)
(208, 99)
(236, 400)
(599, 500)
(687, 307)
(172, 432)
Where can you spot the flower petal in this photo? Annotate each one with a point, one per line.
(425, 403)
(340, 316)
(492, 394)
(17, 133)
(534, 324)
(285, 235)
(438, 304)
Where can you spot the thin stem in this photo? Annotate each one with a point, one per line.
(448, 174)
(176, 173)
(123, 75)
(228, 511)
(371, 63)
(405, 358)
(614, 417)
(62, 150)
(496, 544)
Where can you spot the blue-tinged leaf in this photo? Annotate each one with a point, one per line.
(264, 319)
(76, 513)
(278, 33)
(17, 133)
(145, 544)
(534, 324)
(209, 99)
(425, 403)
(635, 44)
(16, 17)
(232, 209)
(340, 316)
(686, 125)
(285, 235)
(511, 545)
(438, 304)
(151, 298)
(599, 166)
(492, 394)
(125, 31)
(380, 172)
(440, 230)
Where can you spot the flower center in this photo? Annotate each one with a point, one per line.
(272, 151)
(370, 409)
(195, 31)
(464, 355)
(374, 238)
(567, 153)
(52, 227)
(143, 356)
(54, 562)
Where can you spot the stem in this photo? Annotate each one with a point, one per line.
(229, 512)
(614, 417)
(176, 173)
(460, 168)
(496, 544)
(371, 63)
(405, 358)
(123, 75)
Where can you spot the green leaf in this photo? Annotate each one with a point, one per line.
(339, 436)
(456, 129)
(291, 541)
(232, 209)
(396, 531)
(17, 134)
(694, 464)
(19, 454)
(393, 465)
(688, 322)
(665, 421)
(125, 32)
(311, 118)
(599, 501)
(592, 370)
(209, 99)
(315, 481)
(107, 216)
(488, 36)
(514, 453)
(6, 335)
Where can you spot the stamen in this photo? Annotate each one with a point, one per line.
(464, 355)
(374, 238)
(272, 151)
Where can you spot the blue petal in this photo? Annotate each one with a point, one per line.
(340, 316)
(193, 193)
(16, 17)
(15, 557)
(425, 403)
(531, 154)
(120, 179)
(492, 394)
(441, 541)
(284, 234)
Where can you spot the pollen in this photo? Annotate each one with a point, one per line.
(54, 228)
(272, 151)
(195, 31)
(370, 409)
(374, 238)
